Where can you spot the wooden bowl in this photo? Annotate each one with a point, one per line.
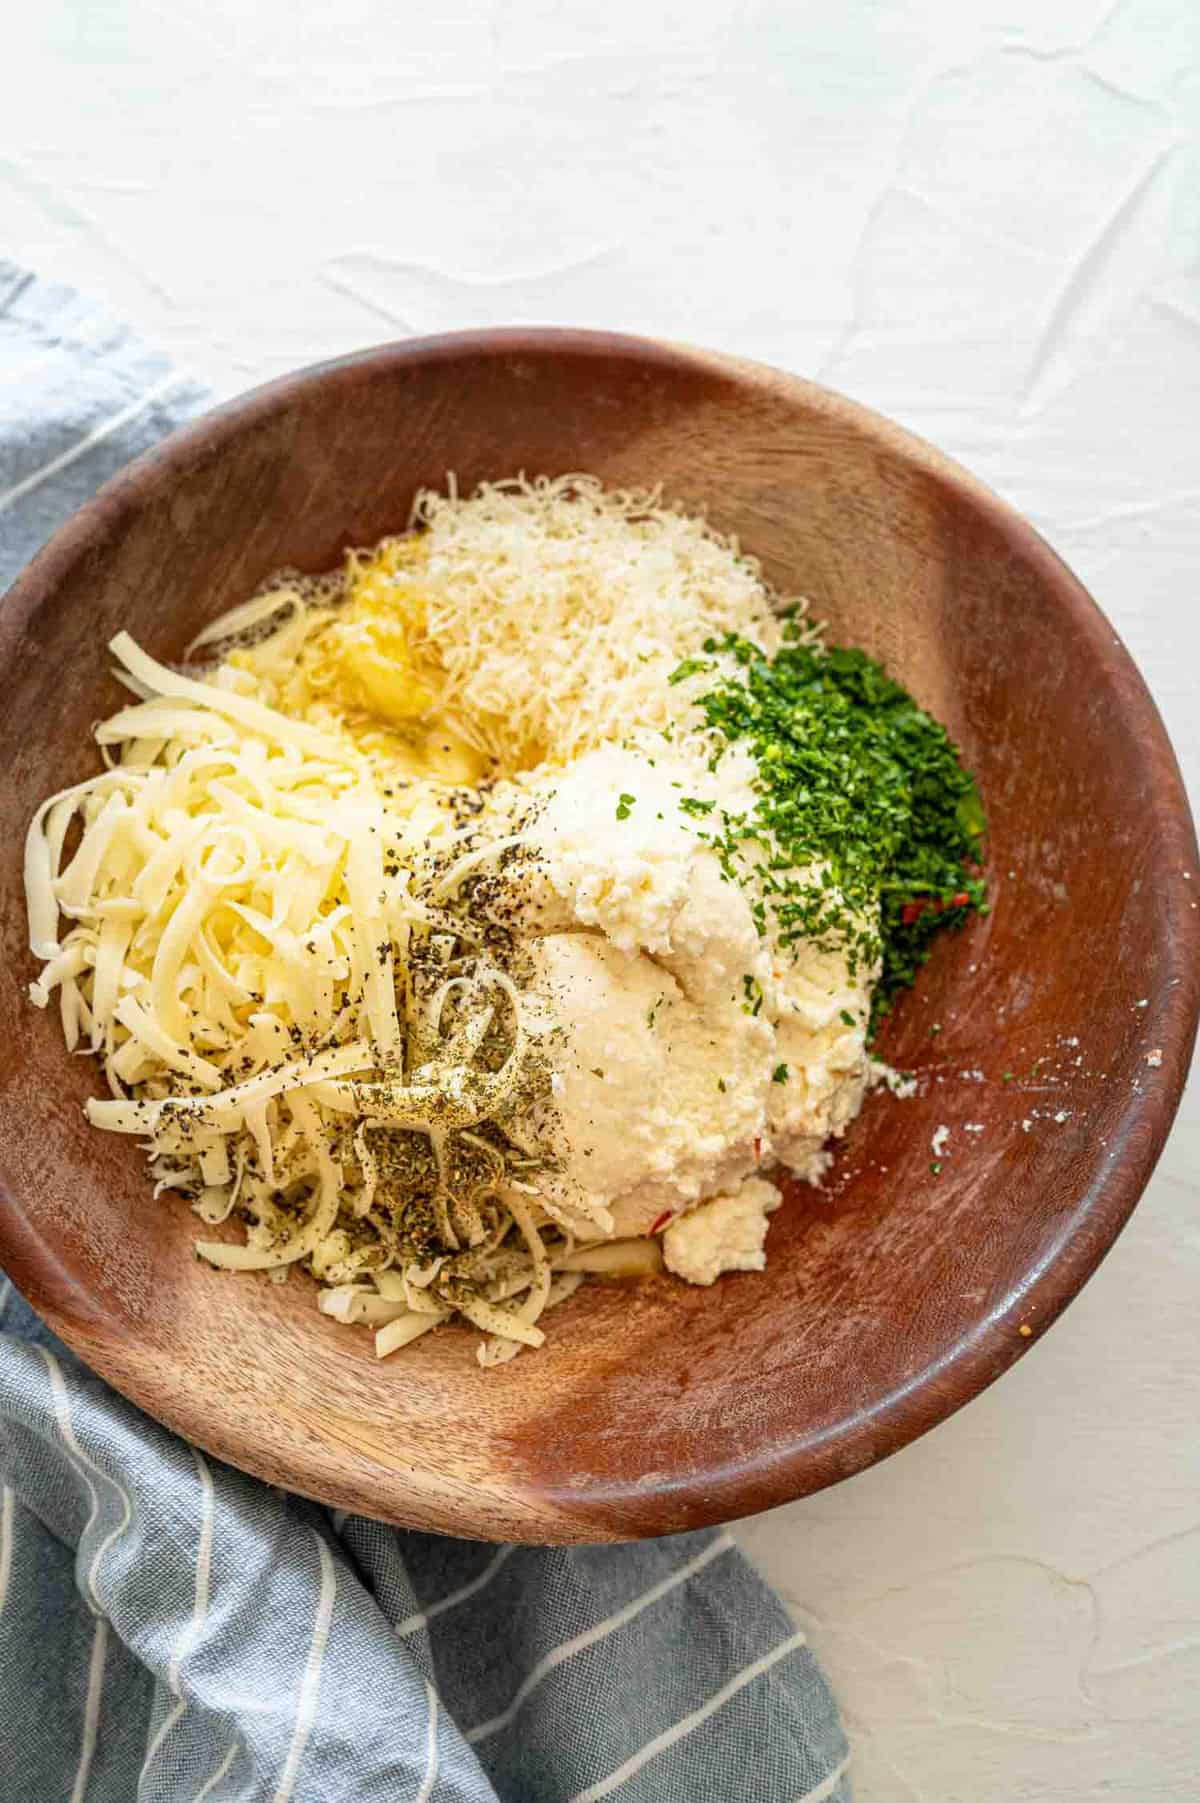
(891, 1297)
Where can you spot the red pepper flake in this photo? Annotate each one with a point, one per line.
(758, 1148)
(913, 910)
(657, 1226)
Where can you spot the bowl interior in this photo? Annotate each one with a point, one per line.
(890, 1296)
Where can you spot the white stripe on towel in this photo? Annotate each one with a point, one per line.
(91, 1713)
(168, 1722)
(310, 1683)
(212, 1783)
(569, 1648)
(95, 437)
(199, 1611)
(689, 1723)
(85, 1466)
(7, 1511)
(431, 1747)
(203, 1570)
(827, 1786)
(411, 1623)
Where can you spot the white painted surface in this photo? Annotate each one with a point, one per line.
(980, 216)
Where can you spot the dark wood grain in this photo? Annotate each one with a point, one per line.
(892, 1297)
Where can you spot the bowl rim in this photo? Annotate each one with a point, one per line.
(784, 1469)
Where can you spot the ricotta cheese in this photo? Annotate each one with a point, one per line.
(728, 1233)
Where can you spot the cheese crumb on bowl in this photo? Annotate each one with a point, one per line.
(727, 1233)
(490, 914)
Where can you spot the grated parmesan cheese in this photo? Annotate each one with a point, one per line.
(601, 593)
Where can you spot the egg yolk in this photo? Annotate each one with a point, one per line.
(380, 673)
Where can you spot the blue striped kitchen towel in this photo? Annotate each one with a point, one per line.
(172, 1629)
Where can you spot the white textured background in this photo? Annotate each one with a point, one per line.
(980, 216)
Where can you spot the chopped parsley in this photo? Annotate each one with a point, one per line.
(871, 830)
(691, 666)
(722, 1085)
(624, 805)
(691, 805)
(846, 1018)
(779, 1074)
(752, 989)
